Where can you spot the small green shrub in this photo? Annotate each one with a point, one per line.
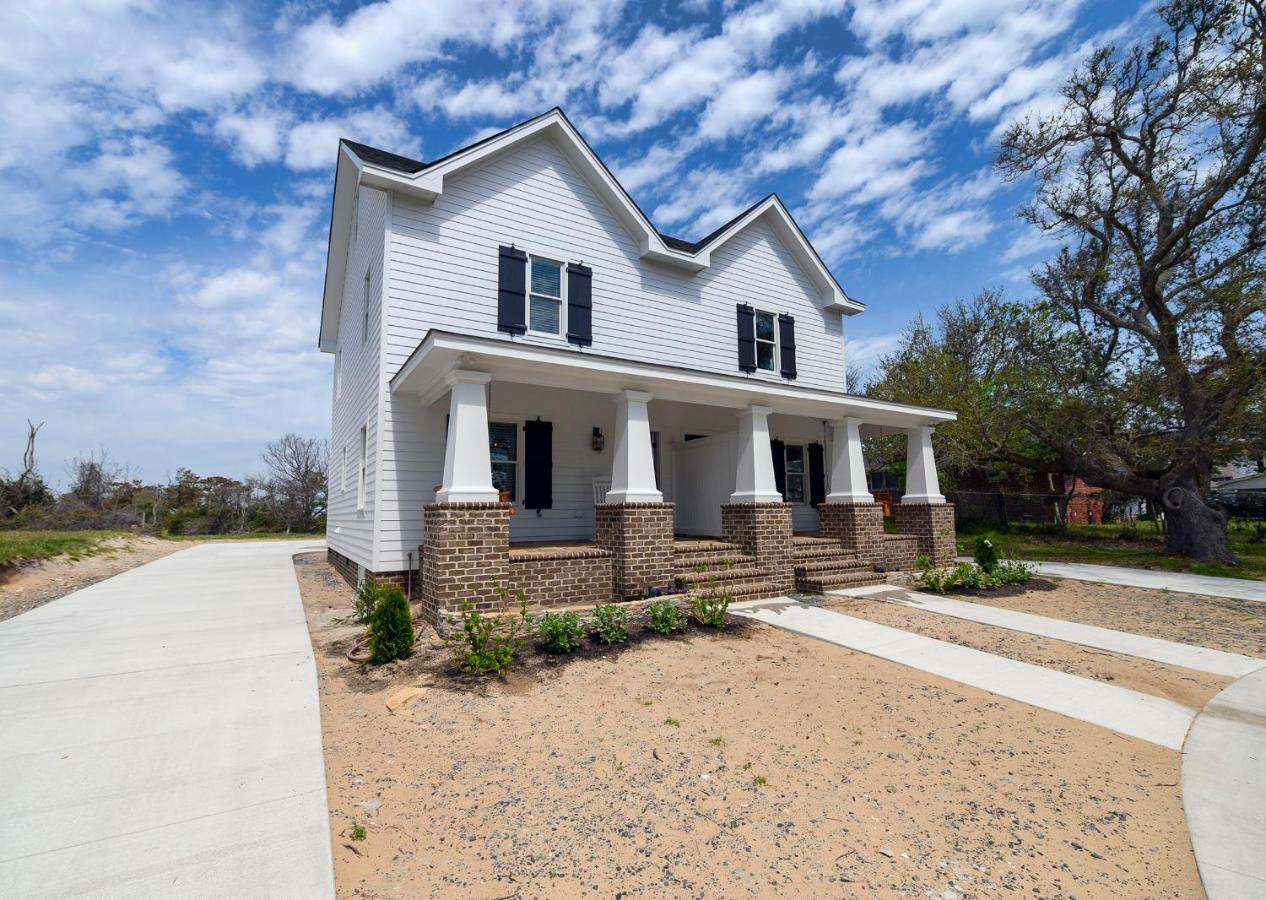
(973, 577)
(610, 623)
(560, 632)
(367, 596)
(390, 627)
(664, 618)
(709, 609)
(937, 581)
(358, 832)
(1012, 571)
(986, 555)
(487, 644)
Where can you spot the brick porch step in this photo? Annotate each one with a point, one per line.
(809, 554)
(833, 580)
(809, 540)
(835, 564)
(747, 590)
(689, 553)
(723, 577)
(715, 561)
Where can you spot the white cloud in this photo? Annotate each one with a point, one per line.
(741, 103)
(313, 144)
(253, 137)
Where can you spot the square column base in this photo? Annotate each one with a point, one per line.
(858, 526)
(763, 530)
(465, 546)
(932, 527)
(640, 537)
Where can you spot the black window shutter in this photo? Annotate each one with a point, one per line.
(787, 344)
(780, 467)
(511, 284)
(817, 475)
(538, 465)
(579, 304)
(746, 338)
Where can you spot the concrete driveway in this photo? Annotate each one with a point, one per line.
(160, 735)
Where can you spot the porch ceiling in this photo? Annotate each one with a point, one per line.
(440, 352)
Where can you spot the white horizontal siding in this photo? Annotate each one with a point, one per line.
(443, 273)
(348, 530)
(413, 459)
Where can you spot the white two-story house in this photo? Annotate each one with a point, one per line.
(533, 384)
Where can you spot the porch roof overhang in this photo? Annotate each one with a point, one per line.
(439, 352)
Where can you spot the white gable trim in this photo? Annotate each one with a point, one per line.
(428, 184)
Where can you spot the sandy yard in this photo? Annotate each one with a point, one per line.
(748, 763)
(34, 584)
(1237, 626)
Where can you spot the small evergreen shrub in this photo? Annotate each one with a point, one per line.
(487, 644)
(986, 555)
(390, 627)
(560, 632)
(664, 618)
(610, 623)
(709, 609)
(367, 596)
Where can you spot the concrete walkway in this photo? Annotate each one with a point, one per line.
(1202, 659)
(1128, 712)
(1234, 588)
(160, 735)
(1224, 790)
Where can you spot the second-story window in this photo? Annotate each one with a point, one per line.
(545, 296)
(766, 342)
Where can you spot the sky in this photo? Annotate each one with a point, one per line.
(166, 171)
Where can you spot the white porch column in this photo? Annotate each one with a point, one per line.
(633, 469)
(467, 465)
(922, 483)
(848, 469)
(754, 480)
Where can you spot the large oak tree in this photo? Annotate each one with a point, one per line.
(1152, 176)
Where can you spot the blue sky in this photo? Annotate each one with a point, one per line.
(166, 170)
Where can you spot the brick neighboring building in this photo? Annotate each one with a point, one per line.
(534, 389)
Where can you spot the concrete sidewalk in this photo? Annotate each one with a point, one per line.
(1209, 585)
(160, 735)
(1202, 659)
(1129, 712)
(1224, 790)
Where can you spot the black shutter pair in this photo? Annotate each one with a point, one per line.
(817, 475)
(538, 465)
(512, 299)
(777, 447)
(747, 341)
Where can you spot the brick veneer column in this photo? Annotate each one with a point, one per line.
(932, 527)
(640, 535)
(858, 526)
(465, 546)
(763, 530)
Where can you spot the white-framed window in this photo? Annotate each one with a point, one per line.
(364, 318)
(503, 449)
(363, 474)
(794, 465)
(545, 296)
(343, 472)
(766, 341)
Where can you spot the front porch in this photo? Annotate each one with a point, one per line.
(578, 480)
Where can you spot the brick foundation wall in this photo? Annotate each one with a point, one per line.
(562, 576)
(764, 531)
(899, 552)
(350, 569)
(932, 527)
(465, 546)
(639, 537)
(858, 526)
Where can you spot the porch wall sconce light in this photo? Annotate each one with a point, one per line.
(598, 440)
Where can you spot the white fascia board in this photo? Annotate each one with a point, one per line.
(423, 375)
(346, 184)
